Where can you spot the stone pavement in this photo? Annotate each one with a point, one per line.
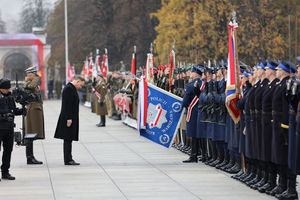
(116, 164)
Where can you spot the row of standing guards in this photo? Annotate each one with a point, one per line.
(262, 149)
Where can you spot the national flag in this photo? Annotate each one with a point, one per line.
(232, 87)
(160, 115)
(172, 68)
(142, 103)
(133, 62)
(104, 67)
(96, 65)
(149, 68)
(91, 65)
(71, 72)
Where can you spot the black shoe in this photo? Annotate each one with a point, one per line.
(277, 190)
(249, 178)
(117, 117)
(100, 124)
(238, 175)
(191, 160)
(33, 161)
(268, 187)
(287, 195)
(234, 170)
(72, 162)
(8, 176)
(261, 183)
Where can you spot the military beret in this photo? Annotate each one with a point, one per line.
(32, 69)
(5, 83)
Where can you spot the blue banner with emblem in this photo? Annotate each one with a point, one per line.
(164, 113)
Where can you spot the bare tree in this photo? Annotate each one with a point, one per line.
(34, 14)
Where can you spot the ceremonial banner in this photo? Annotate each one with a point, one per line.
(104, 67)
(71, 72)
(149, 68)
(232, 87)
(133, 62)
(164, 113)
(172, 67)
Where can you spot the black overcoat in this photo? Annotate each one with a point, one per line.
(69, 110)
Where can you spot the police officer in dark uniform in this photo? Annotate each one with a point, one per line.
(293, 92)
(8, 111)
(257, 126)
(190, 102)
(246, 86)
(280, 116)
(250, 172)
(269, 177)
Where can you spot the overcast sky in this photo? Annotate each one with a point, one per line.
(10, 10)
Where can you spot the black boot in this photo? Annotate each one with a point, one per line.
(291, 192)
(102, 121)
(271, 183)
(258, 177)
(192, 159)
(226, 160)
(263, 180)
(251, 175)
(229, 165)
(235, 169)
(29, 154)
(282, 185)
(194, 151)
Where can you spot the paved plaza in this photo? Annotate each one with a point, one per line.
(116, 164)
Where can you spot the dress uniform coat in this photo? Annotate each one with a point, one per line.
(251, 128)
(266, 136)
(258, 115)
(241, 106)
(190, 102)
(101, 88)
(201, 118)
(211, 115)
(34, 120)
(294, 116)
(69, 110)
(296, 166)
(247, 114)
(280, 114)
(220, 97)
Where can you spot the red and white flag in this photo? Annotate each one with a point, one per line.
(149, 68)
(232, 84)
(91, 64)
(172, 67)
(142, 103)
(71, 72)
(133, 62)
(104, 67)
(96, 65)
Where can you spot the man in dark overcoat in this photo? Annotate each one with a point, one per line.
(67, 127)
